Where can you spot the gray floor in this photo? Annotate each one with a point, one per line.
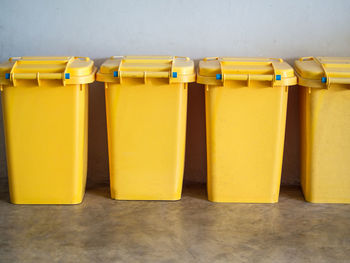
(190, 230)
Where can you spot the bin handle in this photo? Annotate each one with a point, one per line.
(217, 58)
(186, 58)
(258, 77)
(116, 57)
(248, 77)
(278, 59)
(84, 58)
(14, 58)
(144, 74)
(210, 58)
(175, 57)
(306, 58)
(32, 76)
(37, 76)
(328, 83)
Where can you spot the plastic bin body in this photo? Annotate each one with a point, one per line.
(146, 122)
(245, 117)
(46, 128)
(325, 128)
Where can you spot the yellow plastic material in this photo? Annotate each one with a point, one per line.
(45, 107)
(246, 103)
(146, 104)
(325, 128)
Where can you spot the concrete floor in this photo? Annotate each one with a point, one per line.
(190, 230)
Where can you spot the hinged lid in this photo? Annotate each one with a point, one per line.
(215, 71)
(321, 72)
(175, 69)
(69, 70)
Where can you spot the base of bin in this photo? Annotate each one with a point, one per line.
(327, 201)
(23, 201)
(249, 201)
(151, 197)
(324, 200)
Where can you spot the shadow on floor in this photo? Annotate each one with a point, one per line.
(190, 189)
(292, 192)
(100, 189)
(195, 190)
(4, 190)
(199, 191)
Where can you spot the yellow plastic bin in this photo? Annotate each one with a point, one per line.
(146, 104)
(246, 103)
(45, 107)
(325, 128)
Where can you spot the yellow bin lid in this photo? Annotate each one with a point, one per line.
(175, 69)
(70, 70)
(217, 70)
(321, 72)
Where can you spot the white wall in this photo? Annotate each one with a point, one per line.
(194, 28)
